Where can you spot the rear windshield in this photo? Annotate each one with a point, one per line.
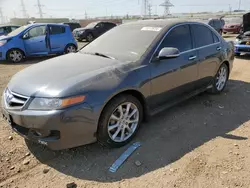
(125, 42)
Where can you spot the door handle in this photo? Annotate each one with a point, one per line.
(218, 48)
(41, 41)
(192, 57)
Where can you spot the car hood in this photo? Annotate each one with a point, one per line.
(229, 25)
(5, 37)
(58, 77)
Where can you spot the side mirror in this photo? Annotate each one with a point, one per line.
(26, 36)
(167, 53)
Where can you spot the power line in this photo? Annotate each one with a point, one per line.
(23, 9)
(40, 11)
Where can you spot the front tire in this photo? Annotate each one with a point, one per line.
(120, 121)
(220, 80)
(15, 56)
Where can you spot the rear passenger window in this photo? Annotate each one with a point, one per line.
(216, 38)
(180, 38)
(54, 30)
(203, 35)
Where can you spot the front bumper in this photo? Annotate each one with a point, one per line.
(238, 48)
(231, 30)
(57, 129)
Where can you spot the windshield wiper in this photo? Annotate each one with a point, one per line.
(100, 54)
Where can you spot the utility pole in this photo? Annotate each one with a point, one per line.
(149, 9)
(239, 4)
(86, 15)
(23, 9)
(1, 16)
(144, 7)
(167, 4)
(40, 11)
(230, 9)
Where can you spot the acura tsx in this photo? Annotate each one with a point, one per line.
(105, 90)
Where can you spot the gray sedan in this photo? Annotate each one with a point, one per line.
(104, 91)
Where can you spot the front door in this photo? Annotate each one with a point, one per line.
(36, 41)
(172, 78)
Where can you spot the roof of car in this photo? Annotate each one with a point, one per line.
(164, 23)
(7, 25)
(37, 24)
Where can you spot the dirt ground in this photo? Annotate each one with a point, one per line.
(202, 142)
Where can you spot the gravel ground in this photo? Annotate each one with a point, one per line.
(202, 142)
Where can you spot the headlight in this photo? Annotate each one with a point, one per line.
(54, 103)
(3, 42)
(237, 41)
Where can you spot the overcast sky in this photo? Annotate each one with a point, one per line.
(77, 8)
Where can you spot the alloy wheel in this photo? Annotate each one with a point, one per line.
(71, 49)
(221, 78)
(123, 122)
(15, 56)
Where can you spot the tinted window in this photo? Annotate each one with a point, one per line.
(109, 25)
(37, 31)
(1, 30)
(54, 30)
(203, 35)
(14, 28)
(179, 38)
(216, 38)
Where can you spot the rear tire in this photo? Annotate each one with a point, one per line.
(15, 55)
(116, 128)
(220, 79)
(89, 37)
(70, 48)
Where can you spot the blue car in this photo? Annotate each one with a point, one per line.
(242, 44)
(37, 40)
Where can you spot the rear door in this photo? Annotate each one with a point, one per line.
(100, 29)
(36, 41)
(209, 52)
(57, 38)
(172, 78)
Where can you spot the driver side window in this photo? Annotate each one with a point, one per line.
(179, 37)
(37, 31)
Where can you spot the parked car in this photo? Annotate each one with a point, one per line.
(104, 91)
(37, 39)
(242, 42)
(217, 24)
(5, 29)
(73, 25)
(233, 26)
(92, 30)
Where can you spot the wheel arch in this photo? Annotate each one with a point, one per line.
(14, 49)
(135, 93)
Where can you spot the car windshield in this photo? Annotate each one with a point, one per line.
(17, 31)
(93, 24)
(126, 42)
(234, 21)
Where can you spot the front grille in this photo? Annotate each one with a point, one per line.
(244, 49)
(14, 100)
